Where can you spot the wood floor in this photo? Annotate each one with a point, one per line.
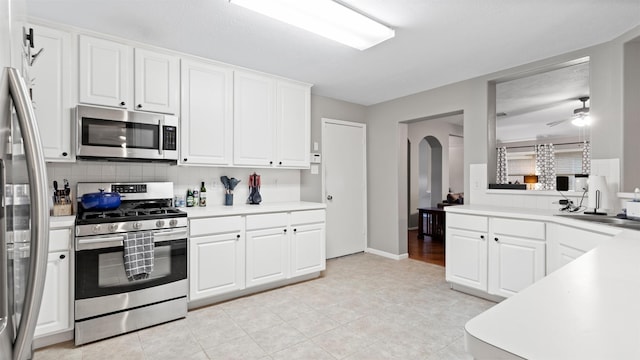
(427, 250)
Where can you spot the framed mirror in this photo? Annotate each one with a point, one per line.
(542, 127)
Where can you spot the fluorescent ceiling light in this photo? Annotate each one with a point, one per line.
(325, 18)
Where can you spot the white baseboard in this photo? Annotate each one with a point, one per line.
(387, 255)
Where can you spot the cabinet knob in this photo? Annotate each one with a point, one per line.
(185, 159)
(294, 230)
(481, 236)
(329, 197)
(280, 163)
(285, 230)
(122, 103)
(496, 239)
(62, 257)
(270, 162)
(64, 153)
(139, 106)
(238, 236)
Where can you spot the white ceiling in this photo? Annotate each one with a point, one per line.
(437, 41)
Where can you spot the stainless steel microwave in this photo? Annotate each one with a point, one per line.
(116, 134)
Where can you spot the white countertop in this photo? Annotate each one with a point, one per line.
(246, 209)
(532, 214)
(588, 309)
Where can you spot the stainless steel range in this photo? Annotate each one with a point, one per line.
(108, 301)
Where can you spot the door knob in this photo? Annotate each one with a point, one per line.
(329, 197)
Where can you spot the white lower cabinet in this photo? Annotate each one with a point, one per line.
(307, 242)
(567, 243)
(55, 310)
(516, 255)
(216, 256)
(233, 254)
(466, 258)
(267, 248)
(498, 256)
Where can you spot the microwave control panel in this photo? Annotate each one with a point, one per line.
(169, 138)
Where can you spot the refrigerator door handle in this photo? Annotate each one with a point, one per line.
(37, 172)
(4, 268)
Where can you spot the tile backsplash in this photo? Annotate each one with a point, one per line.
(278, 185)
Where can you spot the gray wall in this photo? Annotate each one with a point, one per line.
(387, 224)
(324, 107)
(631, 173)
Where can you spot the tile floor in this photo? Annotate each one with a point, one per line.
(364, 307)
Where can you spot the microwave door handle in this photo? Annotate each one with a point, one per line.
(160, 135)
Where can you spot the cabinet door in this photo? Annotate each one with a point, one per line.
(566, 243)
(54, 311)
(253, 119)
(514, 264)
(216, 265)
(156, 82)
(267, 255)
(466, 258)
(50, 84)
(293, 134)
(307, 249)
(105, 72)
(207, 121)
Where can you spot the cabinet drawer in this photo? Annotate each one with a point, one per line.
(215, 225)
(467, 222)
(307, 217)
(264, 221)
(519, 228)
(59, 240)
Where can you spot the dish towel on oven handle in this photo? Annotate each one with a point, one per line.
(138, 255)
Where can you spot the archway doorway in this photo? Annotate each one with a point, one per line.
(433, 150)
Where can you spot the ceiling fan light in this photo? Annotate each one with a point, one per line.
(582, 120)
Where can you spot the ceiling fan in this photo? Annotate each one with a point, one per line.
(580, 115)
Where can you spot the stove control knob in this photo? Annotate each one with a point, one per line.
(97, 228)
(113, 227)
(173, 222)
(160, 223)
(137, 225)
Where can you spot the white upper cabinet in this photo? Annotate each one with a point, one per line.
(254, 119)
(50, 82)
(156, 82)
(105, 72)
(207, 119)
(271, 121)
(293, 134)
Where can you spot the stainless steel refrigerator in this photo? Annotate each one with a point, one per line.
(24, 215)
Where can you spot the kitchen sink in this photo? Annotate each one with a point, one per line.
(608, 220)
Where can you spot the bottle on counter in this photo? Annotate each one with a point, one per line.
(196, 197)
(203, 195)
(190, 199)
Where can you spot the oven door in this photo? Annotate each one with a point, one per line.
(115, 133)
(100, 264)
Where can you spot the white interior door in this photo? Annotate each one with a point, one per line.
(344, 186)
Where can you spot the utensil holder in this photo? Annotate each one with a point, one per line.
(62, 209)
(228, 199)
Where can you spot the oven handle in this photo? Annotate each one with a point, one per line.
(116, 241)
(99, 243)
